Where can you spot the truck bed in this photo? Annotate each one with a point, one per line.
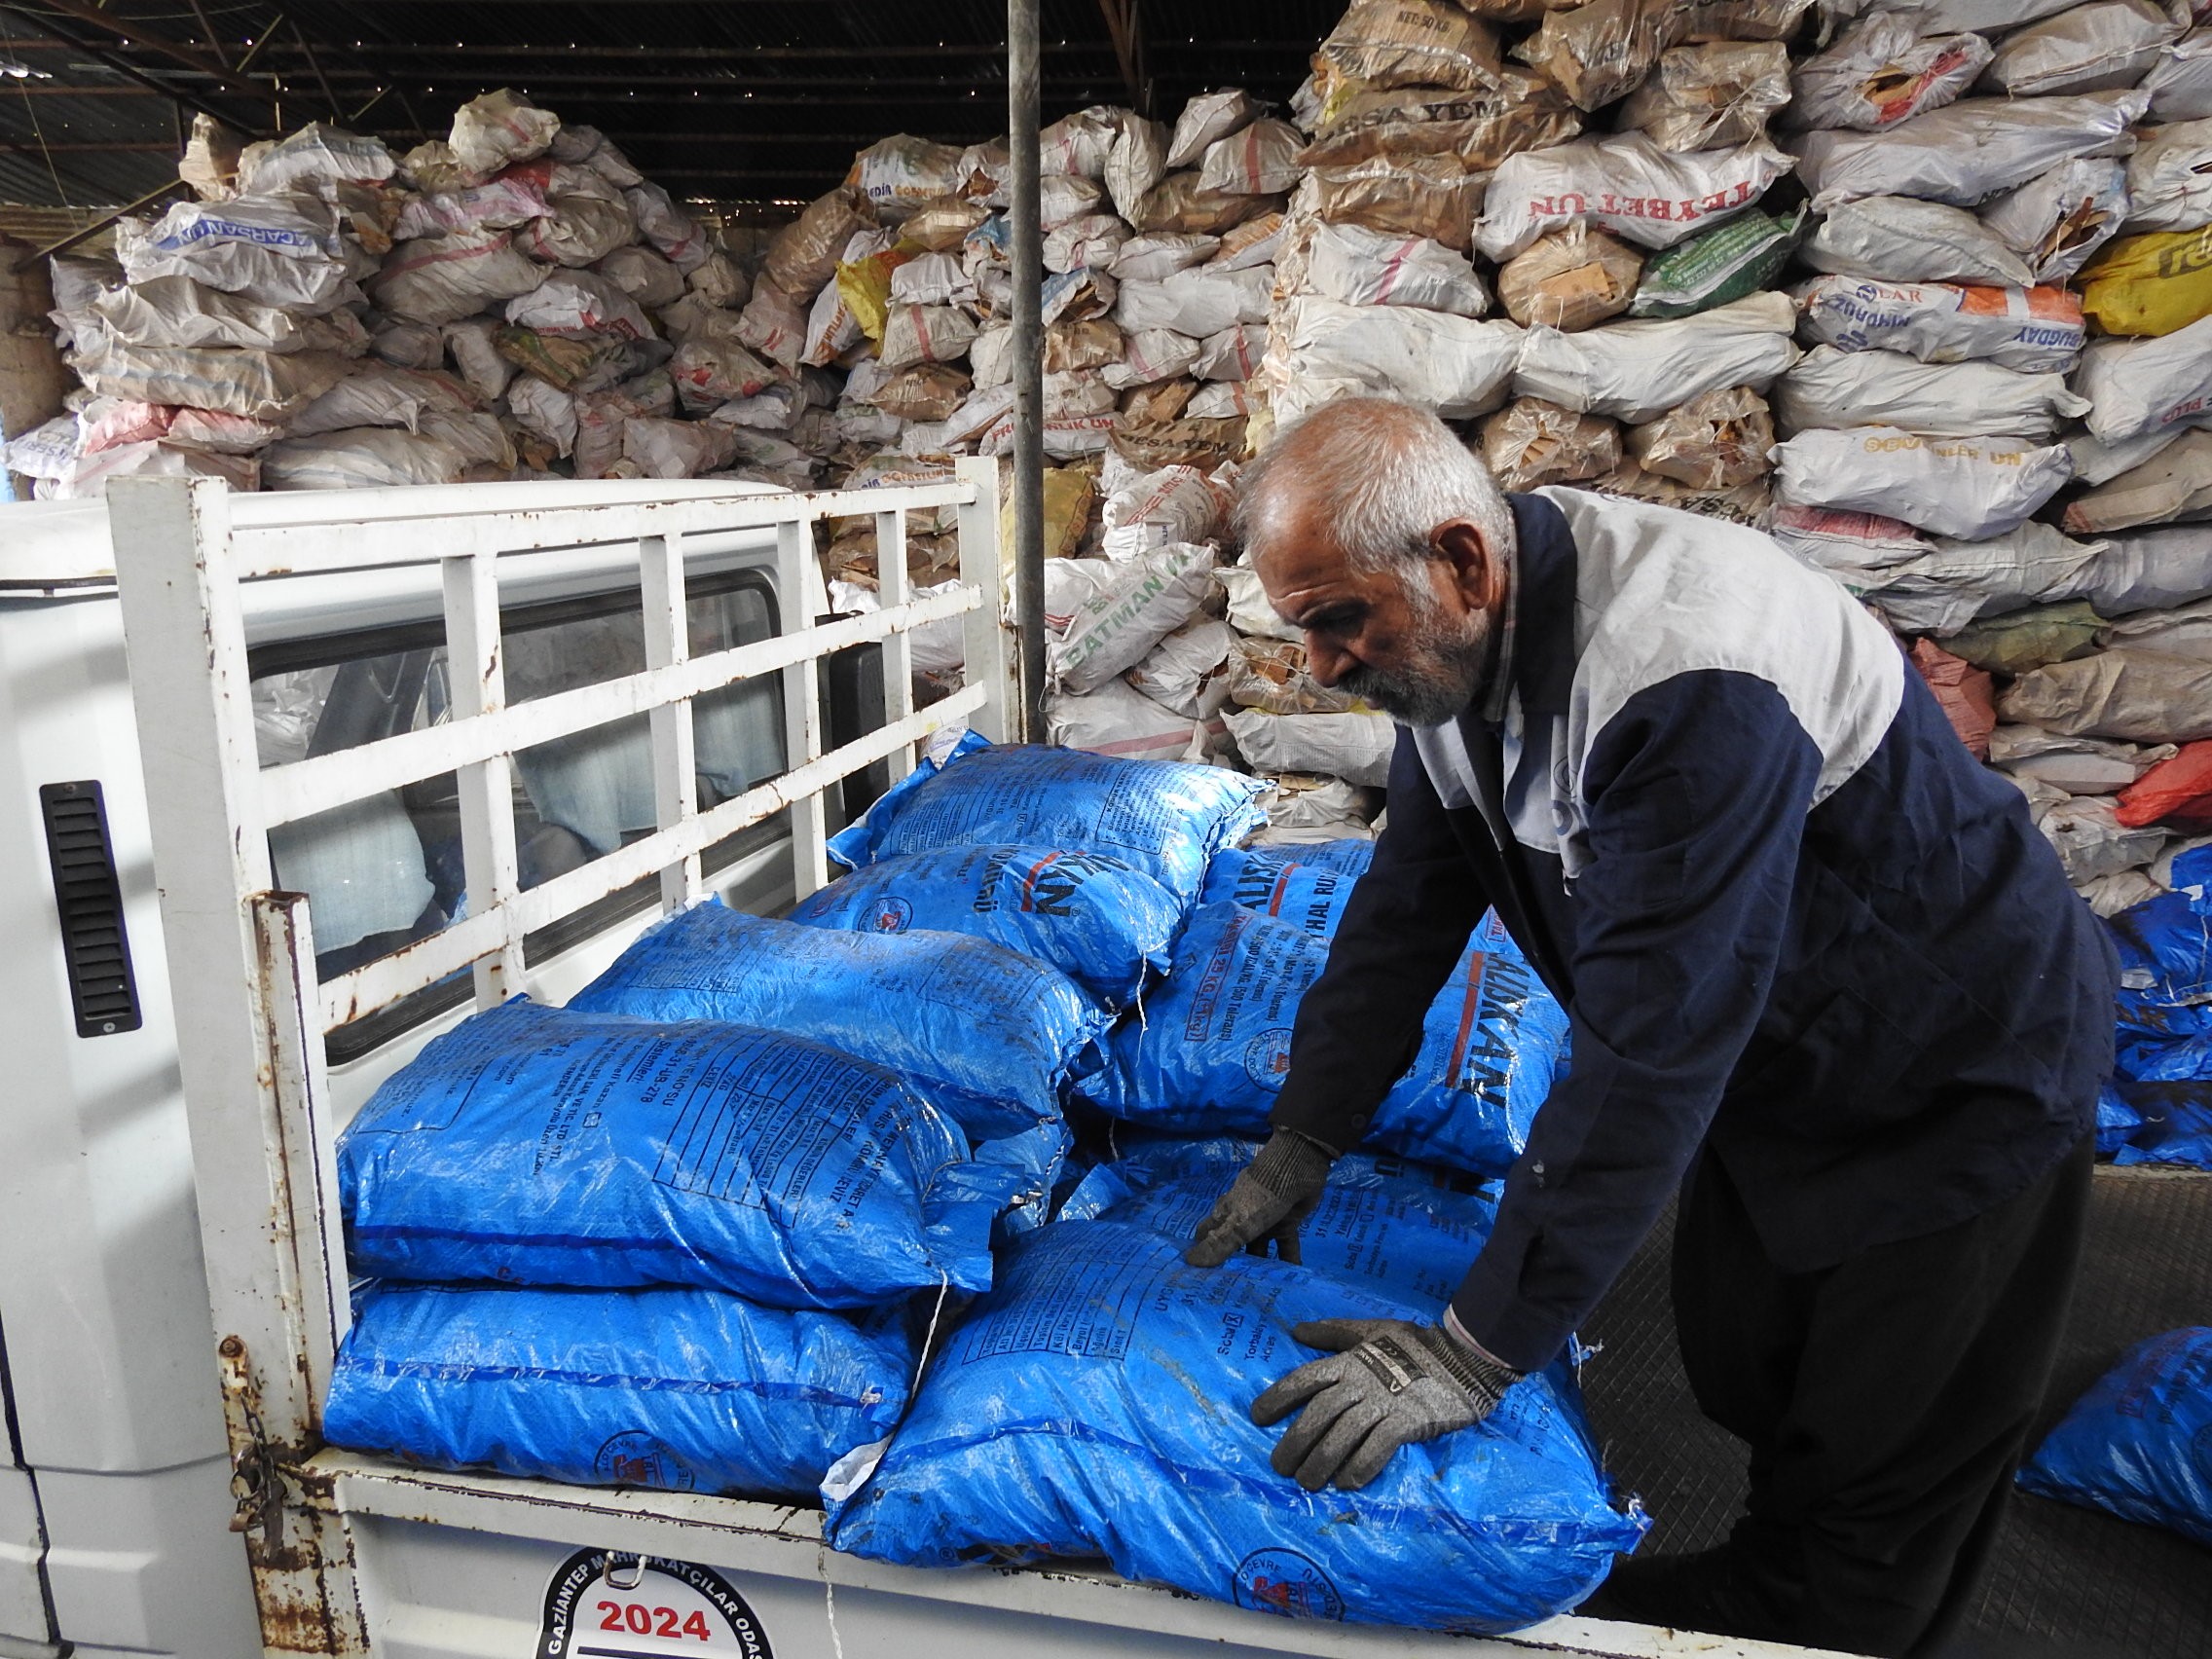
(2063, 1581)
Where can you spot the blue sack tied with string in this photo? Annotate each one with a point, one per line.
(1097, 1403)
(1308, 883)
(541, 1146)
(674, 1388)
(1208, 1050)
(1413, 1229)
(987, 1036)
(2138, 1445)
(1099, 920)
(2163, 1071)
(1166, 818)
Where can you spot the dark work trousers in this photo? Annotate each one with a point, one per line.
(1885, 1401)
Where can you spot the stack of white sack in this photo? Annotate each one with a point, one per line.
(509, 301)
(219, 323)
(1159, 651)
(1157, 252)
(1409, 111)
(1992, 435)
(1924, 286)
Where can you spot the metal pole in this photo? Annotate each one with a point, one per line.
(1021, 99)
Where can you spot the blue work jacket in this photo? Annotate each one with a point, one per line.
(1788, 915)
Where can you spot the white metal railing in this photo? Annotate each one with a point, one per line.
(251, 1014)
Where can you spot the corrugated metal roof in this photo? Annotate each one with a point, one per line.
(732, 100)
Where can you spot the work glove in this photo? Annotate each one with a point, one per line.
(1385, 1382)
(1270, 1195)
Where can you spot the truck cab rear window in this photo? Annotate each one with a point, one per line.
(386, 870)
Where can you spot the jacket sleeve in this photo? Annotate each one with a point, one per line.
(1409, 918)
(1698, 792)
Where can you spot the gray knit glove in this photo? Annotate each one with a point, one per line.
(1385, 1382)
(1273, 1194)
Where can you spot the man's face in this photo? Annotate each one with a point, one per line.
(1412, 645)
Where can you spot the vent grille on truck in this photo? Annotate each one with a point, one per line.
(86, 893)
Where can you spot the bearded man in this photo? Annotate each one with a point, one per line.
(1826, 982)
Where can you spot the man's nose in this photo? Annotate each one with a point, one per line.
(1325, 663)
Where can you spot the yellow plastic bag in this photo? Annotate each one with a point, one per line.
(2149, 284)
(864, 285)
(1069, 491)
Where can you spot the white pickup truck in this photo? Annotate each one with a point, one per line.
(301, 781)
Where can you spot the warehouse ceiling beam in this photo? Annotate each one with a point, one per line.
(121, 65)
(208, 33)
(472, 49)
(88, 147)
(375, 98)
(315, 63)
(260, 43)
(1124, 27)
(724, 86)
(158, 45)
(130, 91)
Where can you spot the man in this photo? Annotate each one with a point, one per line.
(1823, 976)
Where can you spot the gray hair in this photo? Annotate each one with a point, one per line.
(1384, 473)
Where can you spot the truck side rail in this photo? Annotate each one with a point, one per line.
(251, 1014)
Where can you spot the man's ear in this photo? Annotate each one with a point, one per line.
(1478, 577)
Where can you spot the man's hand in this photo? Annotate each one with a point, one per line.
(1386, 1382)
(1273, 1194)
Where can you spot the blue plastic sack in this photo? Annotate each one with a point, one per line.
(2162, 1063)
(1286, 883)
(2165, 982)
(542, 1146)
(2173, 1122)
(1409, 1227)
(2116, 1121)
(1208, 1050)
(1351, 854)
(1164, 817)
(679, 1389)
(987, 1036)
(1099, 920)
(1096, 1403)
(2138, 1445)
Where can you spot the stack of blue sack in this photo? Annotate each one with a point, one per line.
(2138, 1445)
(620, 1251)
(2158, 1107)
(1413, 1229)
(1163, 818)
(675, 1234)
(1305, 884)
(989, 1037)
(1079, 867)
(688, 1231)
(1097, 1401)
(1209, 1051)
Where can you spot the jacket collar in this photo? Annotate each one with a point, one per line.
(1536, 653)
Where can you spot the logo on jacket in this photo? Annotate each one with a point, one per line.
(1285, 1582)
